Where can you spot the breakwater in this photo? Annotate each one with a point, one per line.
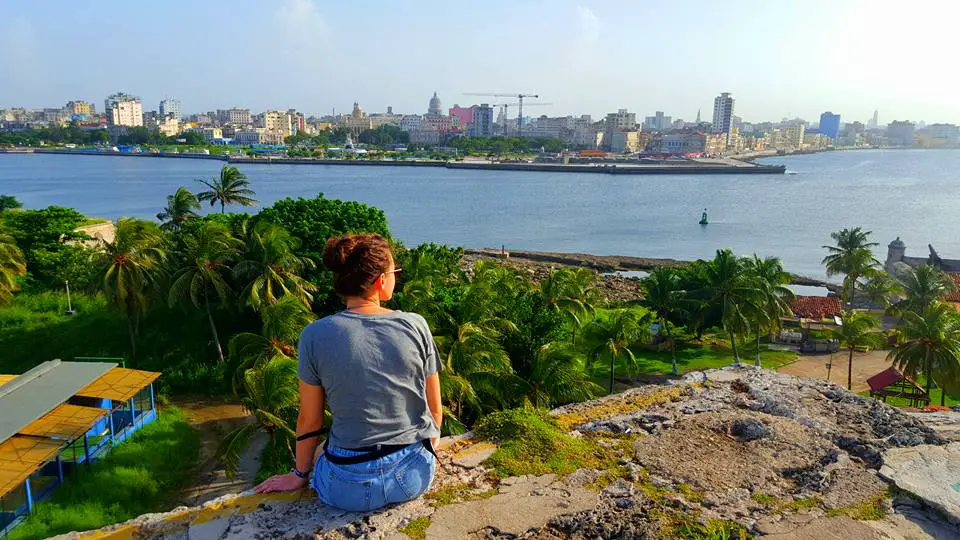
(613, 263)
(619, 168)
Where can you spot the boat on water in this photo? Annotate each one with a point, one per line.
(703, 218)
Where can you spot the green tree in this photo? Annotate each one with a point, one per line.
(9, 202)
(272, 397)
(881, 288)
(12, 267)
(730, 290)
(852, 256)
(924, 285)
(856, 330)
(203, 267)
(773, 300)
(181, 207)
(283, 322)
(194, 138)
(930, 344)
(664, 295)
(572, 293)
(559, 374)
(131, 267)
(231, 187)
(272, 268)
(43, 235)
(612, 337)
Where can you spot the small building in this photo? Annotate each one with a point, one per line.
(891, 383)
(59, 416)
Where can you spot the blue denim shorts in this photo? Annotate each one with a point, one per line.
(399, 477)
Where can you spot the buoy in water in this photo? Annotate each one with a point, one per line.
(703, 218)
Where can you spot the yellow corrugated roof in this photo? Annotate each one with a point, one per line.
(65, 422)
(20, 456)
(4, 379)
(119, 384)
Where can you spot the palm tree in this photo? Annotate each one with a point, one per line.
(204, 265)
(181, 207)
(273, 268)
(730, 290)
(857, 330)
(12, 266)
(283, 322)
(663, 294)
(571, 293)
(558, 375)
(930, 344)
(613, 336)
(923, 286)
(231, 187)
(272, 397)
(771, 280)
(852, 256)
(881, 288)
(131, 266)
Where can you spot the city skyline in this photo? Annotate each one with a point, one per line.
(574, 54)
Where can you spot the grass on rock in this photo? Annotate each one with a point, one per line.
(417, 528)
(138, 476)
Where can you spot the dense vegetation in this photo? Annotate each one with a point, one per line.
(217, 303)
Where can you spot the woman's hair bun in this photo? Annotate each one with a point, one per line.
(337, 252)
(356, 261)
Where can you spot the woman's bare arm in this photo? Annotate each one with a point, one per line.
(309, 420)
(434, 402)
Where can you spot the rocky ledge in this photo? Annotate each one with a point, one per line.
(730, 453)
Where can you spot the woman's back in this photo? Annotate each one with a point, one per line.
(373, 369)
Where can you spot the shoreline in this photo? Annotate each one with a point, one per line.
(614, 168)
(613, 263)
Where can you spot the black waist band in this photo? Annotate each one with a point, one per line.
(372, 453)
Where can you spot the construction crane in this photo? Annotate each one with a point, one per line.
(520, 97)
(505, 107)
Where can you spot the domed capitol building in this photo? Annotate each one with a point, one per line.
(435, 108)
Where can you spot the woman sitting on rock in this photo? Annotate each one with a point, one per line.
(378, 369)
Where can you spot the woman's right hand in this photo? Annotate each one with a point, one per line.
(281, 482)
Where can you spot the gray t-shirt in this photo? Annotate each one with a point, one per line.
(372, 368)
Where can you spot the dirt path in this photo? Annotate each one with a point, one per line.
(865, 365)
(214, 419)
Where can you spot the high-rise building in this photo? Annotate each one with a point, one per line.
(792, 136)
(123, 110)
(482, 125)
(830, 124)
(875, 121)
(435, 108)
(723, 113)
(657, 122)
(170, 106)
(463, 114)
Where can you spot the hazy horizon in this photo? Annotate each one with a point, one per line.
(777, 59)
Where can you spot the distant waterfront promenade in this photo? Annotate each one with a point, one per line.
(618, 167)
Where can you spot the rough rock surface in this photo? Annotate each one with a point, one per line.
(716, 453)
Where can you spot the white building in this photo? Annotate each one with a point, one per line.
(792, 136)
(123, 110)
(657, 122)
(411, 122)
(723, 113)
(171, 107)
(236, 117)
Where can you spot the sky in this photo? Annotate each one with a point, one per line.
(778, 58)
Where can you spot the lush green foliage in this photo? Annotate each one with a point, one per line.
(9, 202)
(56, 135)
(230, 187)
(43, 236)
(140, 475)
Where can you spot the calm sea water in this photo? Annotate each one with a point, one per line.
(914, 194)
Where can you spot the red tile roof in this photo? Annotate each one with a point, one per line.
(816, 307)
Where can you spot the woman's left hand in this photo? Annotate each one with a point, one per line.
(281, 482)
